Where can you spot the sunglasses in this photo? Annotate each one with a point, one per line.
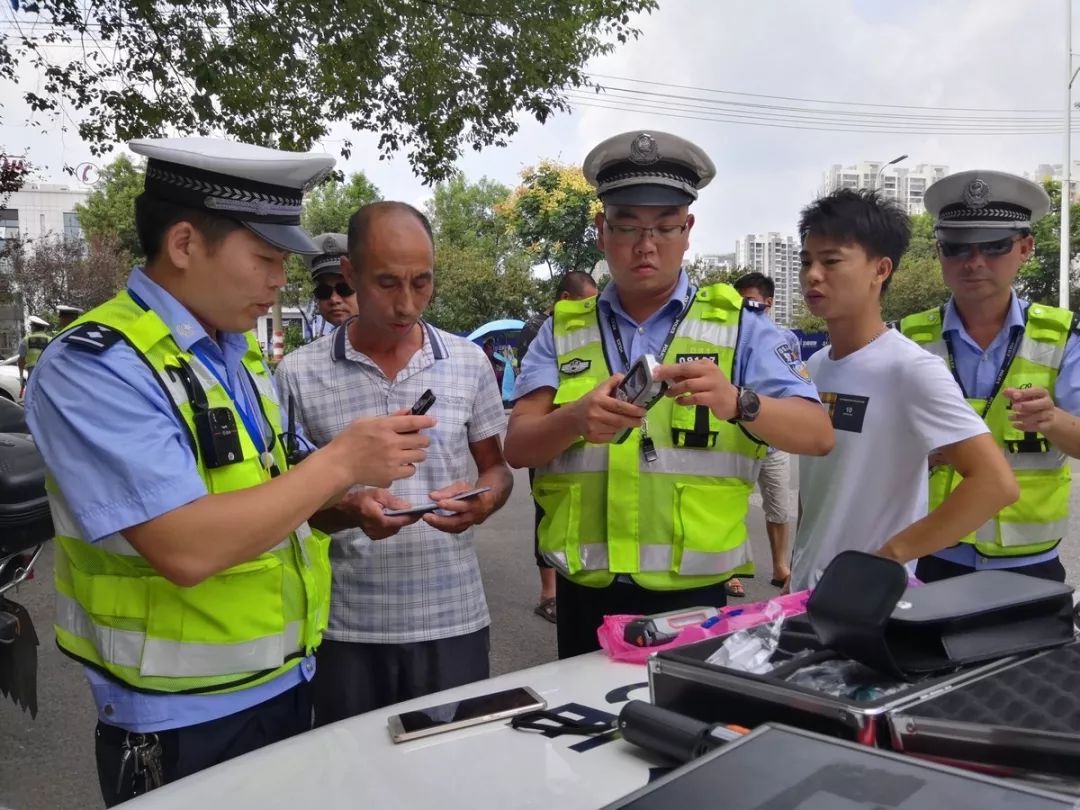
(998, 247)
(324, 291)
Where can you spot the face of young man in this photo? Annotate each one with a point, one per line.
(839, 280)
(644, 262)
(335, 298)
(983, 271)
(393, 275)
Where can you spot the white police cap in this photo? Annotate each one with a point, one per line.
(332, 247)
(64, 309)
(648, 168)
(260, 188)
(983, 205)
(36, 321)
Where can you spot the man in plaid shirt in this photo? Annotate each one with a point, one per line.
(408, 615)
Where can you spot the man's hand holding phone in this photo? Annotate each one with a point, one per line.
(600, 417)
(460, 513)
(369, 509)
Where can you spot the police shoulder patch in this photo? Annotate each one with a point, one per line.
(92, 337)
(794, 363)
(575, 365)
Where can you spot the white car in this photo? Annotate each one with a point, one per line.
(10, 382)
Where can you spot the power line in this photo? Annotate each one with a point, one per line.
(667, 111)
(753, 114)
(815, 101)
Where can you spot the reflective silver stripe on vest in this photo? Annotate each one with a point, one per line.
(1023, 534)
(120, 647)
(709, 332)
(576, 340)
(1043, 354)
(658, 557)
(1054, 459)
(263, 386)
(673, 460)
(937, 347)
(176, 659)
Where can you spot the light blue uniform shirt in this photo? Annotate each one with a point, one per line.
(760, 355)
(977, 371)
(111, 439)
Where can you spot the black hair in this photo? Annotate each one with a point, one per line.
(756, 281)
(575, 283)
(154, 217)
(861, 216)
(360, 224)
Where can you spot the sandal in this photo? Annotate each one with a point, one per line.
(735, 588)
(546, 609)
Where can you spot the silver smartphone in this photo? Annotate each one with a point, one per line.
(434, 507)
(639, 388)
(463, 713)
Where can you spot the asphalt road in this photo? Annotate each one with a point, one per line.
(48, 763)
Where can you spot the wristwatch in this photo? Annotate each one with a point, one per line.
(747, 405)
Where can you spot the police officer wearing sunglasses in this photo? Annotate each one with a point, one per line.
(333, 295)
(1017, 363)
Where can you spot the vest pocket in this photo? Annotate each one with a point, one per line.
(1041, 514)
(560, 527)
(693, 426)
(187, 638)
(710, 528)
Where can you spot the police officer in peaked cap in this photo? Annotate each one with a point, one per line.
(655, 521)
(1017, 363)
(333, 295)
(189, 584)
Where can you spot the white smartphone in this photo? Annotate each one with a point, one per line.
(463, 713)
(433, 507)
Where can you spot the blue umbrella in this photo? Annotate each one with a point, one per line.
(503, 325)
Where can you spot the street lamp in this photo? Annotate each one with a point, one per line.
(893, 162)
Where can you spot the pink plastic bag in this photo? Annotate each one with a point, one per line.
(732, 618)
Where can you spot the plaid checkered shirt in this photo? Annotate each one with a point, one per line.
(421, 584)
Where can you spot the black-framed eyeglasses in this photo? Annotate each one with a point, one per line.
(997, 247)
(324, 291)
(632, 234)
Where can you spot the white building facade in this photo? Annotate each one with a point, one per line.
(907, 185)
(776, 256)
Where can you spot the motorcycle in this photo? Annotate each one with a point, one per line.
(25, 527)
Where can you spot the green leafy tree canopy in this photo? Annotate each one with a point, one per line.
(429, 76)
(109, 210)
(552, 213)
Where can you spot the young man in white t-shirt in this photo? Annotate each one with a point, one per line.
(892, 404)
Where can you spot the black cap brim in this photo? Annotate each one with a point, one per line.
(291, 238)
(646, 194)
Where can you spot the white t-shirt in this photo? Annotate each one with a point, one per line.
(892, 404)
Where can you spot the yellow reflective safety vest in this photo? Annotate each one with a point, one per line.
(236, 629)
(673, 523)
(1039, 519)
(35, 345)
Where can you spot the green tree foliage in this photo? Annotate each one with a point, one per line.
(917, 283)
(702, 275)
(429, 77)
(482, 273)
(552, 213)
(109, 210)
(327, 207)
(1038, 279)
(808, 322)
